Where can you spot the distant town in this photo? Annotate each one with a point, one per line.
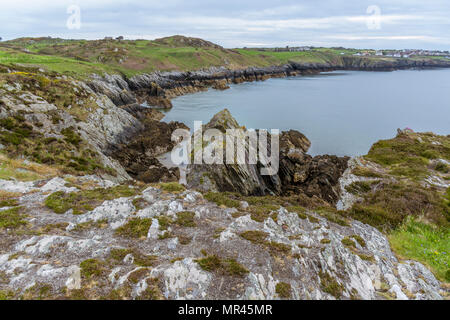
(404, 53)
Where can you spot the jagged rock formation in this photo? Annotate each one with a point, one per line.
(156, 244)
(138, 154)
(298, 171)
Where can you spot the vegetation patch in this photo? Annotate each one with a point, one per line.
(214, 263)
(359, 187)
(9, 203)
(86, 200)
(186, 219)
(222, 199)
(71, 155)
(388, 206)
(408, 154)
(140, 259)
(366, 172)
(172, 187)
(283, 290)
(135, 228)
(329, 285)
(12, 218)
(425, 243)
(153, 291)
(92, 268)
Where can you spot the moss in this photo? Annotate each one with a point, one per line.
(9, 203)
(6, 295)
(214, 263)
(359, 187)
(333, 215)
(360, 240)
(85, 200)
(172, 187)
(276, 247)
(442, 167)
(135, 228)
(38, 292)
(61, 226)
(329, 285)
(210, 263)
(260, 237)
(255, 236)
(325, 241)
(313, 219)
(99, 224)
(164, 222)
(12, 218)
(184, 240)
(348, 242)
(92, 268)
(222, 199)
(71, 136)
(366, 172)
(217, 232)
(135, 276)
(140, 259)
(139, 203)
(153, 291)
(186, 219)
(283, 290)
(366, 257)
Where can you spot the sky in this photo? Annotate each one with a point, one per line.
(377, 24)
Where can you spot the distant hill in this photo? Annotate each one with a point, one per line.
(80, 58)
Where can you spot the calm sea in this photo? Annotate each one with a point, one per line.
(342, 112)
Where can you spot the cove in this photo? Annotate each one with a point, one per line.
(342, 112)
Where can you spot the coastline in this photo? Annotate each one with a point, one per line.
(158, 88)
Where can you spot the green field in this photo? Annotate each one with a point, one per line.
(81, 58)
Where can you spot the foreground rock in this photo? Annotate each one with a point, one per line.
(164, 245)
(298, 171)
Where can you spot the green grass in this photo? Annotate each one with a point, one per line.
(283, 290)
(172, 187)
(135, 228)
(408, 155)
(12, 218)
(214, 263)
(86, 200)
(425, 243)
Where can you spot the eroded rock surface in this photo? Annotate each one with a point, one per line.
(212, 253)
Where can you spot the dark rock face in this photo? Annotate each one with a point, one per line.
(299, 173)
(138, 154)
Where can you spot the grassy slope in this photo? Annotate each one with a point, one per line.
(80, 57)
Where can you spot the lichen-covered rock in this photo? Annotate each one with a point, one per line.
(193, 249)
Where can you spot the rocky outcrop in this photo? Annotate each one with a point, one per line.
(138, 155)
(298, 171)
(220, 254)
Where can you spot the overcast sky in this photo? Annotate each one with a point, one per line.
(237, 23)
